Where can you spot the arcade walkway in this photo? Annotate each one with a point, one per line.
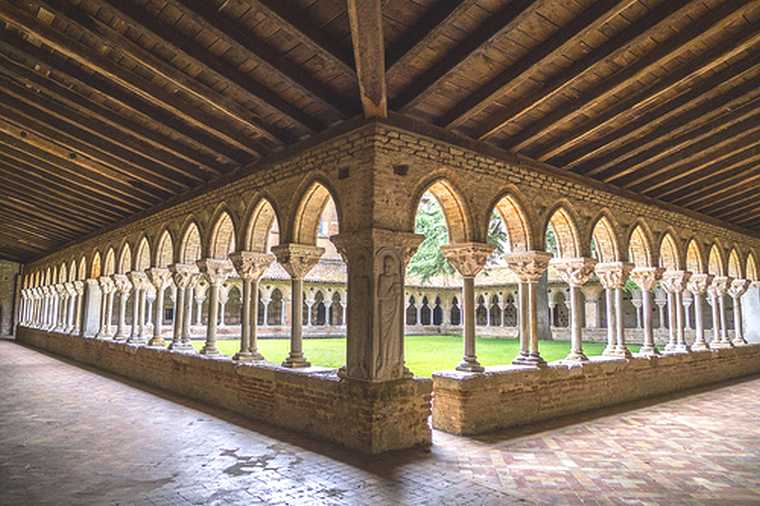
(73, 436)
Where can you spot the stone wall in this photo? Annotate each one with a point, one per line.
(371, 418)
(517, 395)
(8, 272)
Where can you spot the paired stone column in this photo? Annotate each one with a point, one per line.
(675, 283)
(719, 288)
(216, 272)
(78, 312)
(738, 288)
(106, 308)
(612, 276)
(71, 294)
(575, 272)
(376, 260)
(160, 278)
(139, 285)
(697, 285)
(123, 287)
(297, 260)
(250, 267)
(184, 275)
(224, 293)
(529, 266)
(63, 297)
(468, 259)
(646, 278)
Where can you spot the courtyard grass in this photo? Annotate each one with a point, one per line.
(424, 354)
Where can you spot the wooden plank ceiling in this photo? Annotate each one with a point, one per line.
(110, 107)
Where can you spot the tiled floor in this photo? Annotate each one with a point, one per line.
(69, 435)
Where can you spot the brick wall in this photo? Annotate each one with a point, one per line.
(513, 396)
(371, 418)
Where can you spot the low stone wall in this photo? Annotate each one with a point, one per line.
(510, 396)
(371, 418)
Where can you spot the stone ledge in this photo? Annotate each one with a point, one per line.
(372, 418)
(509, 396)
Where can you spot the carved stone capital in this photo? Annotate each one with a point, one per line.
(720, 285)
(613, 274)
(574, 271)
(122, 283)
(251, 265)
(529, 266)
(215, 271)
(79, 287)
(698, 283)
(106, 284)
(70, 290)
(468, 258)
(646, 277)
(61, 289)
(350, 243)
(297, 259)
(139, 280)
(183, 274)
(675, 281)
(160, 277)
(738, 287)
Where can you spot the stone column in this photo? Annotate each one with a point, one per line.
(216, 272)
(309, 302)
(62, 296)
(376, 260)
(265, 300)
(697, 285)
(576, 273)
(469, 259)
(224, 292)
(688, 301)
(183, 276)
(78, 311)
(661, 300)
(638, 303)
(250, 267)
(123, 287)
(738, 288)
(71, 294)
(613, 275)
(139, 284)
(529, 266)
(160, 278)
(107, 288)
(675, 283)
(646, 278)
(297, 260)
(721, 285)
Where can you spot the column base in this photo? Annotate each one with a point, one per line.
(533, 359)
(157, 342)
(716, 345)
(739, 341)
(575, 357)
(210, 350)
(137, 340)
(296, 362)
(649, 351)
(682, 348)
(181, 346)
(470, 364)
(700, 346)
(610, 351)
(248, 356)
(103, 336)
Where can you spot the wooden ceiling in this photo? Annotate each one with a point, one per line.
(110, 107)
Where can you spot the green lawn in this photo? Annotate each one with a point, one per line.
(424, 354)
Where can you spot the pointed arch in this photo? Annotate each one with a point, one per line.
(715, 261)
(109, 266)
(640, 247)
(82, 272)
(73, 271)
(165, 250)
(142, 262)
(751, 267)
(305, 221)
(669, 254)
(605, 240)
(734, 265)
(191, 244)
(37, 281)
(125, 259)
(63, 273)
(95, 270)
(54, 276)
(222, 241)
(694, 261)
(562, 225)
(515, 220)
(262, 219)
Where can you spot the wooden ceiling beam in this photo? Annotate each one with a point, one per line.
(51, 220)
(583, 67)
(752, 216)
(717, 187)
(206, 15)
(501, 22)
(137, 85)
(65, 213)
(366, 21)
(513, 76)
(696, 183)
(630, 77)
(64, 73)
(669, 118)
(734, 206)
(29, 228)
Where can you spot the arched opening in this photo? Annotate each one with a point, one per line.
(425, 312)
(142, 262)
(82, 271)
(263, 230)
(95, 268)
(165, 252)
(125, 259)
(715, 262)
(411, 311)
(223, 240)
(751, 268)
(734, 265)
(63, 273)
(604, 245)
(336, 310)
(694, 258)
(669, 256)
(275, 308)
(561, 235)
(309, 223)
(517, 236)
(109, 266)
(481, 312)
(494, 312)
(438, 312)
(72, 271)
(191, 248)
(639, 249)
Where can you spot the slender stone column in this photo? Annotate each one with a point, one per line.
(106, 289)
(79, 316)
(297, 260)
(660, 299)
(376, 259)
(265, 306)
(160, 278)
(469, 259)
(697, 285)
(529, 266)
(70, 307)
(675, 283)
(688, 301)
(738, 288)
(183, 275)
(223, 298)
(123, 287)
(612, 276)
(721, 285)
(139, 283)
(646, 278)
(575, 272)
(250, 267)
(216, 272)
(63, 297)
(309, 302)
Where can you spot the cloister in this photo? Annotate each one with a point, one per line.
(178, 175)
